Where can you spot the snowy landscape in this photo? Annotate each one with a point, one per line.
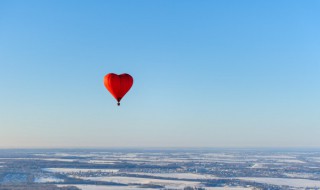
(175, 169)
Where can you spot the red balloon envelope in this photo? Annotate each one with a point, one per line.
(118, 85)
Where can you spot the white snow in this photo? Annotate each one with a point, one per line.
(257, 165)
(315, 159)
(102, 162)
(227, 188)
(74, 170)
(275, 156)
(47, 179)
(302, 183)
(58, 159)
(299, 175)
(291, 161)
(178, 175)
(100, 187)
(137, 180)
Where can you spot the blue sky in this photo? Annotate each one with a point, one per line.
(207, 73)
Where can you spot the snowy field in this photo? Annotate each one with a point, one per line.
(74, 170)
(301, 183)
(96, 187)
(228, 188)
(180, 184)
(100, 187)
(102, 161)
(58, 159)
(179, 175)
(172, 169)
(315, 159)
(47, 179)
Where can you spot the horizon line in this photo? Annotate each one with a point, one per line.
(163, 148)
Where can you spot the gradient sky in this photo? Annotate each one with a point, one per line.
(207, 73)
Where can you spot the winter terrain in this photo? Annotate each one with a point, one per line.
(150, 169)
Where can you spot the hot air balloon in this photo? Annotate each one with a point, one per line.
(118, 85)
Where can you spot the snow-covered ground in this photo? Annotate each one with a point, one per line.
(58, 159)
(73, 170)
(47, 179)
(279, 156)
(299, 175)
(315, 159)
(179, 175)
(46, 159)
(102, 161)
(291, 161)
(302, 183)
(18, 158)
(136, 180)
(228, 188)
(100, 187)
(258, 165)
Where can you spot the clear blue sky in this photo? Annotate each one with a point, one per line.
(207, 73)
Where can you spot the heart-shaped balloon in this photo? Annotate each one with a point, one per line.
(118, 85)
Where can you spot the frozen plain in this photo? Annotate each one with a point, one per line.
(163, 169)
